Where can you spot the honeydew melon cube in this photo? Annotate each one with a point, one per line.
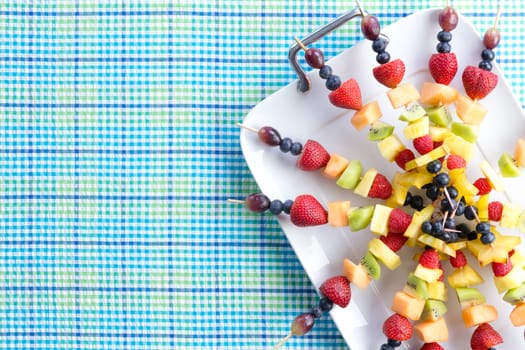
(390, 147)
(367, 115)
(403, 95)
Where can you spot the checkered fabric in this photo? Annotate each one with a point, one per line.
(118, 150)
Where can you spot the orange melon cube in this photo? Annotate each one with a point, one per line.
(356, 274)
(517, 315)
(478, 314)
(519, 153)
(335, 166)
(403, 95)
(435, 94)
(338, 213)
(408, 306)
(367, 115)
(470, 111)
(432, 331)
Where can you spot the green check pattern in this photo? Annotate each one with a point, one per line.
(118, 150)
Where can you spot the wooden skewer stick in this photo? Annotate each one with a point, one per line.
(300, 43)
(360, 7)
(247, 127)
(284, 340)
(235, 201)
(497, 18)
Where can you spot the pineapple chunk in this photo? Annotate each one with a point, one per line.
(510, 215)
(465, 276)
(379, 223)
(483, 207)
(426, 274)
(437, 290)
(384, 254)
(363, 187)
(491, 175)
(402, 95)
(399, 192)
(470, 111)
(408, 306)
(492, 253)
(420, 161)
(432, 331)
(367, 115)
(356, 274)
(438, 134)
(513, 279)
(417, 128)
(389, 147)
(478, 314)
(458, 145)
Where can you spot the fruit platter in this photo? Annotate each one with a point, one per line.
(401, 188)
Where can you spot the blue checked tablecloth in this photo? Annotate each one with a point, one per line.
(119, 149)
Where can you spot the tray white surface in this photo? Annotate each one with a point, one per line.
(322, 249)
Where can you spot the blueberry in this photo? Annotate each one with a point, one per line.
(464, 230)
(434, 166)
(333, 82)
(473, 235)
(325, 72)
(445, 236)
(287, 206)
(296, 148)
(417, 202)
(408, 199)
(325, 304)
(276, 207)
(444, 36)
(317, 311)
(437, 227)
(485, 65)
(452, 192)
(383, 57)
(286, 144)
(460, 209)
(487, 237)
(443, 47)
(432, 192)
(470, 212)
(426, 227)
(394, 343)
(487, 55)
(379, 45)
(482, 227)
(442, 179)
(386, 347)
(450, 223)
(448, 206)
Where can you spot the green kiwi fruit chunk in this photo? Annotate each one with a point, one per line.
(433, 310)
(379, 131)
(371, 265)
(351, 175)
(359, 218)
(439, 115)
(516, 295)
(469, 296)
(507, 166)
(412, 113)
(416, 287)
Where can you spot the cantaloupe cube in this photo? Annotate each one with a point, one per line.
(478, 314)
(432, 331)
(403, 95)
(517, 315)
(470, 111)
(368, 114)
(435, 94)
(519, 153)
(338, 213)
(408, 306)
(335, 166)
(390, 147)
(356, 274)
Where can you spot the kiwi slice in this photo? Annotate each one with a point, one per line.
(412, 113)
(516, 295)
(359, 218)
(351, 175)
(379, 131)
(439, 115)
(371, 265)
(416, 287)
(433, 310)
(507, 166)
(469, 132)
(469, 296)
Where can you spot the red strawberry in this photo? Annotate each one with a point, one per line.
(483, 186)
(337, 289)
(443, 67)
(307, 211)
(495, 211)
(397, 327)
(423, 144)
(478, 82)
(459, 261)
(432, 346)
(381, 188)
(404, 157)
(348, 95)
(398, 221)
(390, 74)
(394, 241)
(501, 269)
(313, 157)
(456, 162)
(485, 337)
(429, 258)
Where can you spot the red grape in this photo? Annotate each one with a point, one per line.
(370, 27)
(314, 58)
(448, 19)
(269, 136)
(491, 38)
(302, 324)
(257, 202)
